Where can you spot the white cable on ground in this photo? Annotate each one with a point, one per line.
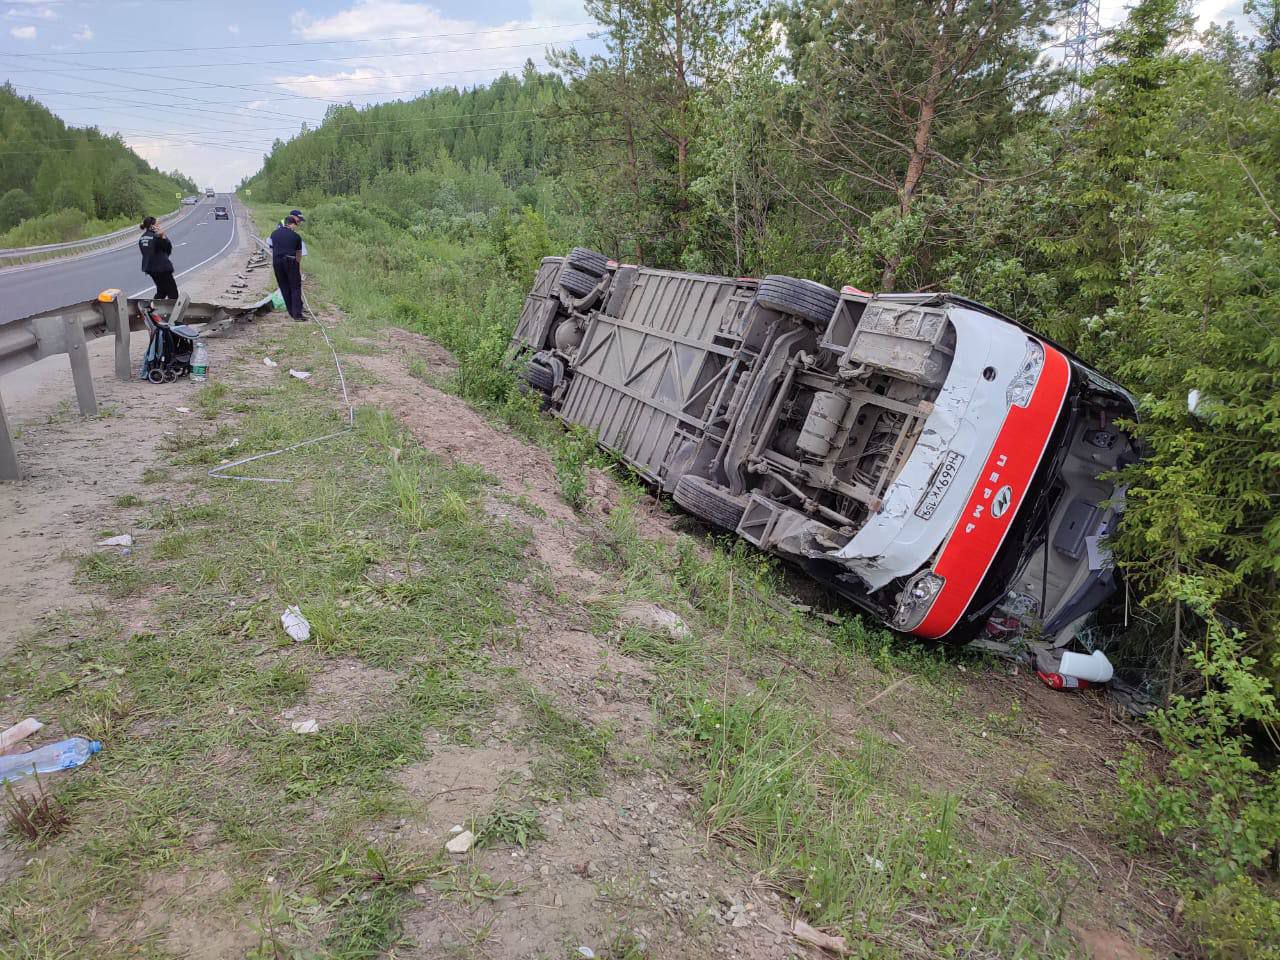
(219, 472)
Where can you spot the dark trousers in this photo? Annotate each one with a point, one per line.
(166, 286)
(289, 279)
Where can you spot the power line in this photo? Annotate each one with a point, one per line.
(322, 131)
(203, 103)
(362, 57)
(329, 126)
(336, 100)
(307, 43)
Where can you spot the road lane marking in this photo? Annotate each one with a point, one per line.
(134, 296)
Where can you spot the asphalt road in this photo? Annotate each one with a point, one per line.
(198, 239)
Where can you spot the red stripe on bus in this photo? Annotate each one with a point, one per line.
(982, 527)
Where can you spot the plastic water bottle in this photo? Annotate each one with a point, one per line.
(295, 624)
(64, 755)
(199, 362)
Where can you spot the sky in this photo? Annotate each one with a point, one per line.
(206, 87)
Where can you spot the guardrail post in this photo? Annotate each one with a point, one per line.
(78, 352)
(8, 455)
(116, 312)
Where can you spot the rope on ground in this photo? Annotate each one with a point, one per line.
(220, 472)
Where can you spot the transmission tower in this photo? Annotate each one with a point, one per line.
(1081, 43)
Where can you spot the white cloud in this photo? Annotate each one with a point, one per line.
(32, 13)
(222, 169)
(23, 33)
(378, 18)
(444, 50)
(84, 34)
(233, 28)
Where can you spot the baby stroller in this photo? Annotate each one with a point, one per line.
(168, 355)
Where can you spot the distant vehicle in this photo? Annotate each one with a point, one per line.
(220, 213)
(208, 192)
(190, 201)
(930, 459)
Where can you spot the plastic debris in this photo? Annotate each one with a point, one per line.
(1057, 681)
(461, 843)
(10, 738)
(124, 540)
(269, 362)
(199, 363)
(305, 726)
(300, 374)
(183, 409)
(295, 624)
(1094, 667)
(586, 952)
(64, 755)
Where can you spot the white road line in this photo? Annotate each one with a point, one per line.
(145, 290)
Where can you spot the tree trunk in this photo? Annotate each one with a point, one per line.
(916, 160)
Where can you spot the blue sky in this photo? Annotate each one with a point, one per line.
(206, 87)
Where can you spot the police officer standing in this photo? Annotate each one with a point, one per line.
(286, 254)
(155, 248)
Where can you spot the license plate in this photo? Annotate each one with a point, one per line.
(943, 478)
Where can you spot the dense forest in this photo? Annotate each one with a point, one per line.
(61, 183)
(1132, 213)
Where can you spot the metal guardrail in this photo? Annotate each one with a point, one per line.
(68, 330)
(17, 256)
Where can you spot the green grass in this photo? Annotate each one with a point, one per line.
(114, 573)
(824, 820)
(389, 554)
(573, 763)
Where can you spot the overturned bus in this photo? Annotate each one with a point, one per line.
(934, 462)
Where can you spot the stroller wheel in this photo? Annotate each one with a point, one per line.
(170, 376)
(155, 375)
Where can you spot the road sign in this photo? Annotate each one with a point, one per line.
(178, 196)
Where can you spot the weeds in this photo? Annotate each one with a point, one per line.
(578, 750)
(36, 818)
(118, 575)
(856, 856)
(517, 827)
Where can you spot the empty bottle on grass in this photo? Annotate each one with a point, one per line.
(64, 755)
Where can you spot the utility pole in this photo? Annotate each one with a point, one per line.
(1081, 42)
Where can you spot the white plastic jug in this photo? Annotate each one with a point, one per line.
(1094, 667)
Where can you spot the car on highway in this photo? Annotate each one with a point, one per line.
(190, 201)
(221, 213)
(208, 192)
(935, 462)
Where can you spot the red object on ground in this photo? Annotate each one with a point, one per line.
(1056, 681)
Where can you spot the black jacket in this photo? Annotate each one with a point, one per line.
(285, 244)
(155, 253)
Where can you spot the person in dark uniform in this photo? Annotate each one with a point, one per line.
(286, 251)
(156, 247)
